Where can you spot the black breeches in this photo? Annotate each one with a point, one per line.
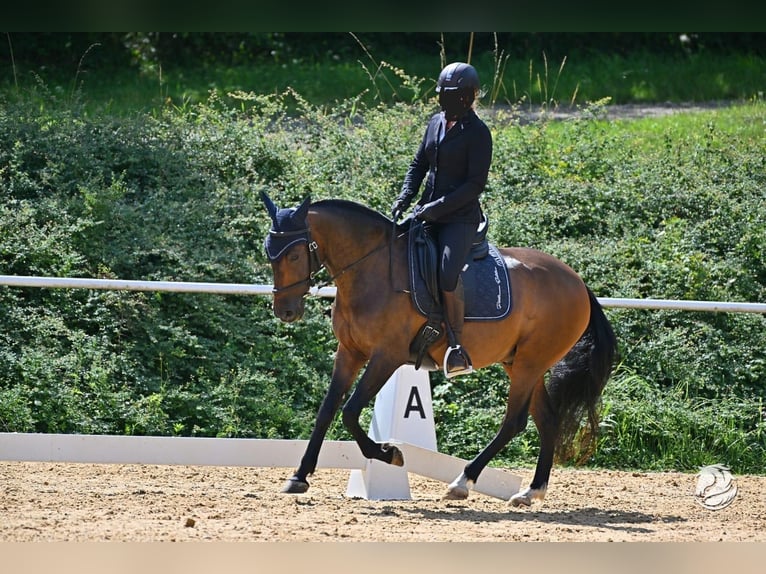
(455, 241)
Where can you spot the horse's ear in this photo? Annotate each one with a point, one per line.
(303, 208)
(269, 205)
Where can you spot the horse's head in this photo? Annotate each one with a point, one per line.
(292, 255)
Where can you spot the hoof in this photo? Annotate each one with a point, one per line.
(526, 496)
(521, 500)
(456, 493)
(459, 488)
(295, 486)
(397, 458)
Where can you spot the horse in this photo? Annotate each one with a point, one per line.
(556, 345)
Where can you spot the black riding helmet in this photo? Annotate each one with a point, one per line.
(457, 87)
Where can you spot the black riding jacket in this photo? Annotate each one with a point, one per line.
(455, 168)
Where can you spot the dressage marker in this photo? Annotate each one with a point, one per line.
(402, 414)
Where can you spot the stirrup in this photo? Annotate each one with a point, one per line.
(467, 369)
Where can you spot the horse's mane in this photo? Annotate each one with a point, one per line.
(344, 205)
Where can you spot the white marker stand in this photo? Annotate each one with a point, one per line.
(403, 412)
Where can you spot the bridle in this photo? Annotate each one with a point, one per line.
(315, 263)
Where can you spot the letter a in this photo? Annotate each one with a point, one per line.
(414, 404)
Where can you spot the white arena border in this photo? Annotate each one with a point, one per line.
(202, 451)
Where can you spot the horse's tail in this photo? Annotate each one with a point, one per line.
(576, 382)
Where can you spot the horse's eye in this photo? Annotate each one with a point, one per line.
(293, 257)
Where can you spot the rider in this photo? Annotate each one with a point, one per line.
(454, 157)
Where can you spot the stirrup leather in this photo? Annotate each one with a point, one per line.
(463, 371)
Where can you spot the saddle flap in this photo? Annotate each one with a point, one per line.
(487, 286)
(426, 253)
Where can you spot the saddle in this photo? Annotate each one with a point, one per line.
(487, 289)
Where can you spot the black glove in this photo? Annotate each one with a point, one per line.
(426, 212)
(398, 207)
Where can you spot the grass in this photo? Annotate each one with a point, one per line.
(539, 80)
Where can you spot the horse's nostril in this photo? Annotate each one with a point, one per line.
(287, 315)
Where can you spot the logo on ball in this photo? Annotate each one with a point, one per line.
(716, 488)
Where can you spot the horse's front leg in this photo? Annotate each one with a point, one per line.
(345, 369)
(377, 373)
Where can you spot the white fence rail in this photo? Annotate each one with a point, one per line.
(170, 286)
(252, 289)
(684, 305)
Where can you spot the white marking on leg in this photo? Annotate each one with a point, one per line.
(459, 488)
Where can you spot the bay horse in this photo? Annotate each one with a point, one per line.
(556, 327)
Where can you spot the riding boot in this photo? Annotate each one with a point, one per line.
(456, 360)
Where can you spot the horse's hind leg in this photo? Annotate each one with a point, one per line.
(547, 424)
(514, 421)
